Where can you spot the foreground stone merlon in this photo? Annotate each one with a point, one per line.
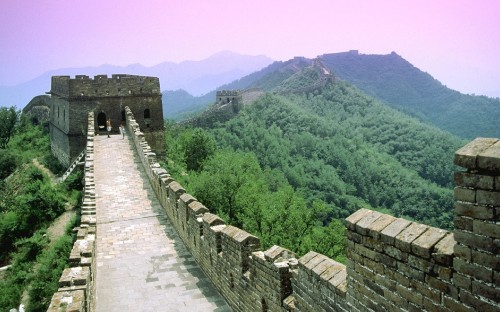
(482, 153)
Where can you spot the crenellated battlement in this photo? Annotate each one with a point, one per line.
(83, 86)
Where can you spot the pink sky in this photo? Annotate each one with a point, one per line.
(456, 41)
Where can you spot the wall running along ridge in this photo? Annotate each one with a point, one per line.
(393, 264)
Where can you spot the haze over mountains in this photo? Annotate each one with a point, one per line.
(196, 77)
(389, 78)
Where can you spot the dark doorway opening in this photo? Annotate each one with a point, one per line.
(101, 121)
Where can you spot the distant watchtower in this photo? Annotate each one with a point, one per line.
(73, 99)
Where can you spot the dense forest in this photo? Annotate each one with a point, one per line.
(395, 81)
(290, 166)
(29, 202)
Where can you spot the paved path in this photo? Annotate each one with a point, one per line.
(142, 265)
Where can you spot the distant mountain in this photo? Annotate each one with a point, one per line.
(403, 86)
(179, 105)
(196, 77)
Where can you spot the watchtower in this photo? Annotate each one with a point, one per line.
(73, 99)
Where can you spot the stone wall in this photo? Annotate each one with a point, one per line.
(76, 287)
(393, 264)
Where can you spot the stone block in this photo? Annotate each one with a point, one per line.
(392, 230)
(74, 277)
(333, 269)
(488, 197)
(423, 245)
(351, 221)
(471, 269)
(410, 272)
(467, 156)
(489, 158)
(462, 281)
(474, 240)
(307, 257)
(477, 302)
(456, 306)
(404, 239)
(443, 250)
(463, 252)
(367, 219)
(489, 260)
(472, 180)
(486, 290)
(474, 211)
(486, 228)
(465, 194)
(463, 223)
(376, 227)
(68, 301)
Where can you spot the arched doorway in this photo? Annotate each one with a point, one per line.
(101, 121)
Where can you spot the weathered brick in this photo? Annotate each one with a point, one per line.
(474, 240)
(474, 211)
(367, 219)
(410, 272)
(462, 281)
(486, 259)
(455, 305)
(463, 251)
(486, 290)
(420, 263)
(472, 180)
(479, 304)
(351, 221)
(488, 197)
(491, 229)
(378, 225)
(472, 269)
(466, 156)
(410, 295)
(463, 223)
(465, 194)
(392, 230)
(68, 301)
(426, 291)
(489, 158)
(404, 239)
(443, 250)
(423, 245)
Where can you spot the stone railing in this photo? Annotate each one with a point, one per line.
(76, 287)
(393, 264)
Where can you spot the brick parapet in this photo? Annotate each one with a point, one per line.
(76, 286)
(101, 85)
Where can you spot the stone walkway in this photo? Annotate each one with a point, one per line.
(142, 264)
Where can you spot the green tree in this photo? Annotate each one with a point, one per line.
(8, 120)
(198, 145)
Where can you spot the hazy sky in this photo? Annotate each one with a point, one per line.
(456, 41)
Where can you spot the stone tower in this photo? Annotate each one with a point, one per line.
(73, 99)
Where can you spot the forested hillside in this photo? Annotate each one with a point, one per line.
(342, 147)
(291, 165)
(403, 86)
(29, 203)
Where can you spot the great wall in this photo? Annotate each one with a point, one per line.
(393, 264)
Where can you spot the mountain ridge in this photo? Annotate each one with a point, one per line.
(196, 77)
